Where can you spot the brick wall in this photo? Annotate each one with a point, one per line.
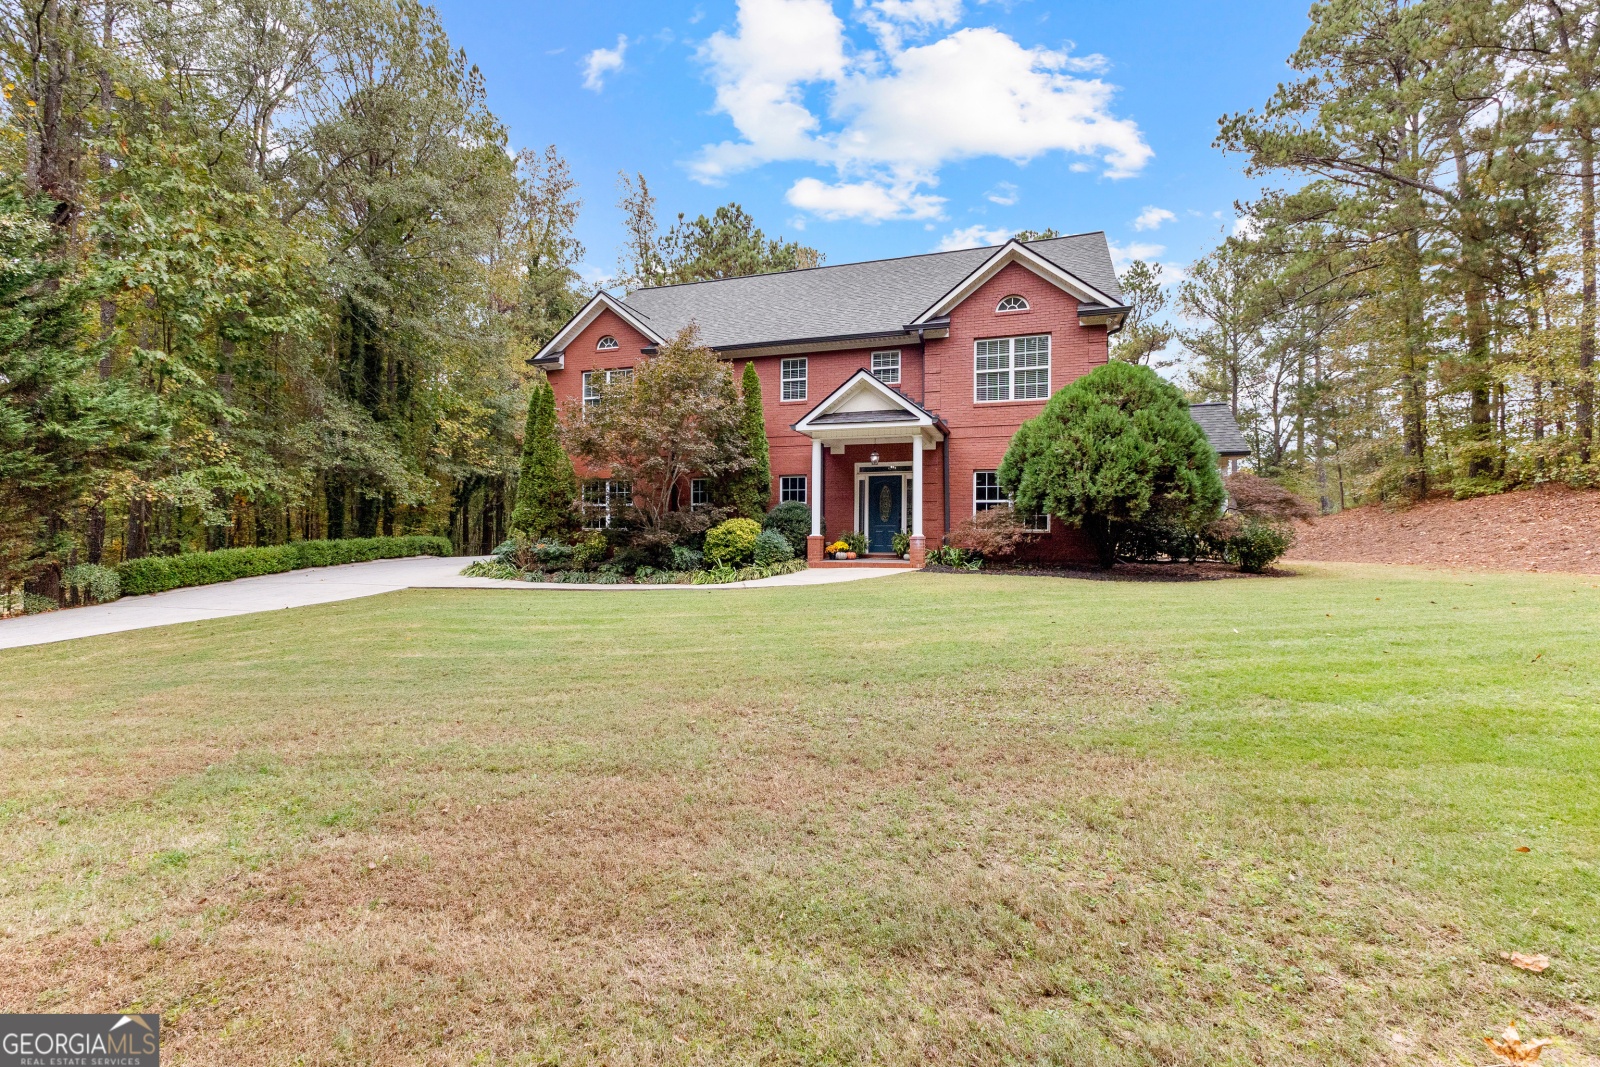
(938, 374)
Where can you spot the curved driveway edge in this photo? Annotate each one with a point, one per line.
(322, 585)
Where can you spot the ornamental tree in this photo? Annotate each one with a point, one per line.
(547, 487)
(675, 417)
(1112, 448)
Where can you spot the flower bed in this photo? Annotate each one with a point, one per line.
(643, 576)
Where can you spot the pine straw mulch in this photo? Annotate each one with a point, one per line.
(1545, 528)
(1202, 571)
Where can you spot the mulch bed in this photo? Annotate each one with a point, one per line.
(1546, 528)
(1125, 572)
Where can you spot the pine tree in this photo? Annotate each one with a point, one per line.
(750, 490)
(548, 486)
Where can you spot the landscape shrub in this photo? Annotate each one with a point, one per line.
(90, 583)
(771, 547)
(588, 553)
(155, 574)
(1107, 451)
(993, 534)
(685, 558)
(900, 543)
(856, 541)
(1261, 498)
(719, 575)
(732, 543)
(1258, 544)
(793, 520)
(508, 550)
(550, 556)
(1165, 536)
(489, 568)
(955, 558)
(34, 604)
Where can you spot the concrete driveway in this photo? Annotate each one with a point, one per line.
(322, 585)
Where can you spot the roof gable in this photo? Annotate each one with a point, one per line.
(864, 402)
(601, 301)
(1014, 251)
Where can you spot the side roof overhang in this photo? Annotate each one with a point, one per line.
(1094, 306)
(553, 353)
(864, 409)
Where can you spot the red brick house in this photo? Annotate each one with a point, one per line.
(892, 387)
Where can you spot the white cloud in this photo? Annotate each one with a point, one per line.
(894, 20)
(1004, 194)
(867, 201)
(601, 62)
(1122, 255)
(972, 237)
(1151, 218)
(892, 120)
(1247, 227)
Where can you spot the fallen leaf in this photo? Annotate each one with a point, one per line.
(1537, 658)
(1511, 1049)
(1524, 848)
(372, 866)
(1536, 964)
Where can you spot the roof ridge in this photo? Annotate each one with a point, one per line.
(855, 263)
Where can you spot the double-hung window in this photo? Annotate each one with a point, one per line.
(886, 367)
(593, 379)
(699, 492)
(605, 501)
(792, 487)
(986, 494)
(1012, 368)
(794, 379)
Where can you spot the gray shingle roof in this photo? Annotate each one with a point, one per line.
(877, 297)
(1221, 430)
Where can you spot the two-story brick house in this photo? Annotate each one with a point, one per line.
(892, 387)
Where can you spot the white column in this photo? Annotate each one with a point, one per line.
(816, 487)
(916, 486)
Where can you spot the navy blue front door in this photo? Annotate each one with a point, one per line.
(884, 514)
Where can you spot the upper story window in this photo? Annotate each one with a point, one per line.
(794, 379)
(593, 379)
(1013, 303)
(886, 367)
(1012, 368)
(607, 343)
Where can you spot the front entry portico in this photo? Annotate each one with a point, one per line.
(888, 499)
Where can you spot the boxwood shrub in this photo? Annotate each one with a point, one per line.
(155, 574)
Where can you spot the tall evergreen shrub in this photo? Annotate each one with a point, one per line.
(548, 486)
(750, 489)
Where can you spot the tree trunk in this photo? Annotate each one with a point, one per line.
(1586, 317)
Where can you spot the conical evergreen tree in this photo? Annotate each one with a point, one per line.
(752, 487)
(548, 486)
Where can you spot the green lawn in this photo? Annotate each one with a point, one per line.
(926, 818)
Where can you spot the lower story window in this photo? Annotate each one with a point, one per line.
(699, 492)
(792, 487)
(605, 501)
(986, 494)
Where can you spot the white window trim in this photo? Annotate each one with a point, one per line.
(611, 375)
(607, 511)
(601, 346)
(1004, 501)
(899, 366)
(1001, 309)
(805, 488)
(1011, 370)
(703, 485)
(804, 380)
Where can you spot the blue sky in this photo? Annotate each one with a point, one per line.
(872, 128)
